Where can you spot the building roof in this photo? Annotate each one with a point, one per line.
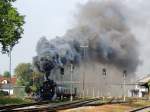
(13, 80)
(144, 80)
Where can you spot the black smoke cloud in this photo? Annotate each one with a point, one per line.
(102, 27)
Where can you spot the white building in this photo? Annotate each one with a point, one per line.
(7, 88)
(139, 91)
(141, 87)
(7, 85)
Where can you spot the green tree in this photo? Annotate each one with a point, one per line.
(32, 80)
(6, 74)
(37, 81)
(11, 25)
(148, 88)
(23, 73)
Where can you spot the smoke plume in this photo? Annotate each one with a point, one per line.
(100, 34)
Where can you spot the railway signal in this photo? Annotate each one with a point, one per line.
(124, 73)
(62, 73)
(104, 73)
(84, 46)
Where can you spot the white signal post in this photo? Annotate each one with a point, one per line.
(83, 82)
(124, 84)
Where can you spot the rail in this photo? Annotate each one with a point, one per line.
(140, 109)
(46, 106)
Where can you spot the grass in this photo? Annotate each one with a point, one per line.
(7, 100)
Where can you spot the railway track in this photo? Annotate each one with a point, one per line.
(110, 101)
(53, 107)
(9, 107)
(44, 107)
(143, 109)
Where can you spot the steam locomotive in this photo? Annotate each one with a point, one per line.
(50, 91)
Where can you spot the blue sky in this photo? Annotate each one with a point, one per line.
(52, 18)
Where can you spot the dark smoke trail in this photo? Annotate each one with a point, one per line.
(102, 26)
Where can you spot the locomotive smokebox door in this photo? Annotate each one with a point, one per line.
(48, 90)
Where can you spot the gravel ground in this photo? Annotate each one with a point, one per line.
(144, 110)
(104, 108)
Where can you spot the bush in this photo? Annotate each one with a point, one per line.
(3, 93)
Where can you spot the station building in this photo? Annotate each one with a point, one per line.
(141, 88)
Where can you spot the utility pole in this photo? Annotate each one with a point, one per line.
(10, 70)
(84, 55)
(124, 84)
(71, 70)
